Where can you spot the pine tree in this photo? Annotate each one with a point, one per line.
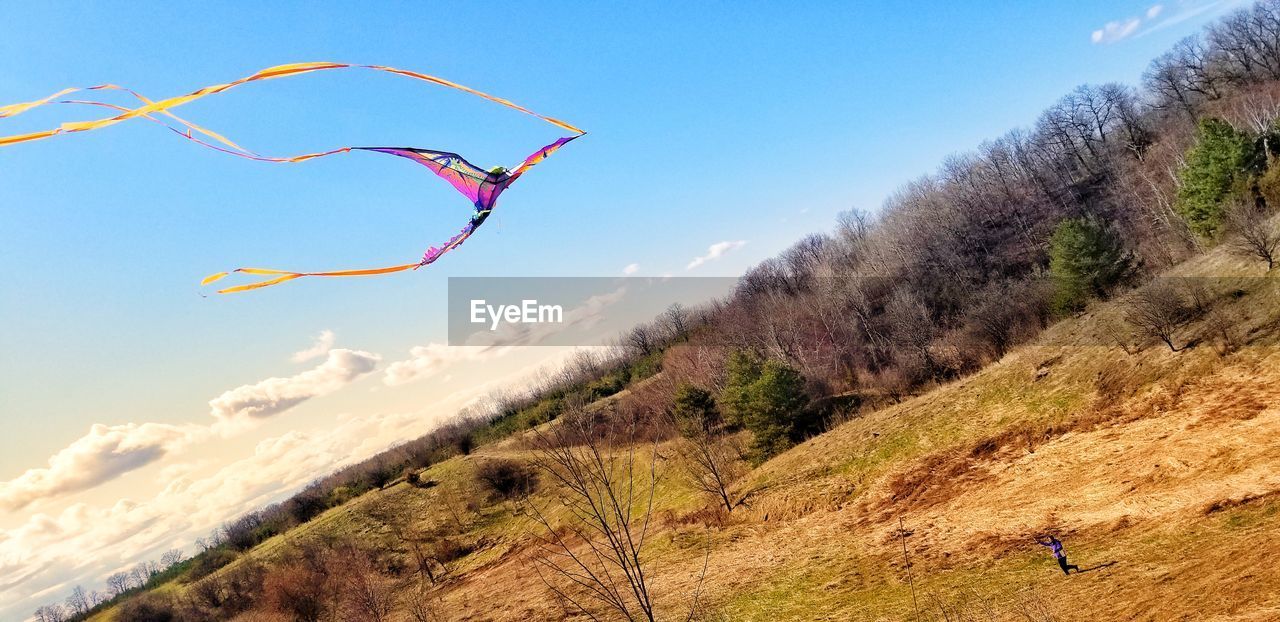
(1216, 166)
(1085, 260)
(766, 397)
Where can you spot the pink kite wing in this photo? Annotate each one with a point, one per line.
(453, 168)
(541, 155)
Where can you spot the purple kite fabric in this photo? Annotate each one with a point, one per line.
(480, 186)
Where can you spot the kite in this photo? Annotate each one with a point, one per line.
(481, 187)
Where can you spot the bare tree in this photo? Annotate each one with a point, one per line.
(171, 558)
(994, 317)
(118, 583)
(853, 227)
(913, 330)
(1183, 77)
(1257, 109)
(1247, 43)
(78, 601)
(641, 339)
(584, 364)
(386, 512)
(369, 595)
(675, 319)
(593, 560)
(422, 606)
(51, 613)
(714, 461)
(138, 576)
(1256, 235)
(211, 541)
(1158, 310)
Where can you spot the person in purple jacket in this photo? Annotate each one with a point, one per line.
(1055, 545)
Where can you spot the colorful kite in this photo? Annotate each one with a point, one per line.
(480, 186)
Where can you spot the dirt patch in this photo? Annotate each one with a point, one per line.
(1245, 500)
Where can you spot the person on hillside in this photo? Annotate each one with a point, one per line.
(1055, 545)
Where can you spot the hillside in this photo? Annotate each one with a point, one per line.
(1158, 470)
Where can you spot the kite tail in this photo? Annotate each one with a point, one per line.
(230, 148)
(280, 71)
(281, 276)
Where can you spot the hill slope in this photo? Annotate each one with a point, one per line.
(1159, 470)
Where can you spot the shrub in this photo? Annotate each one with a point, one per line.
(543, 411)
(342, 494)
(307, 504)
(378, 473)
(1256, 236)
(1085, 259)
(209, 561)
(147, 608)
(506, 479)
(446, 550)
(609, 384)
(1269, 185)
(1159, 311)
(300, 590)
(646, 366)
(242, 587)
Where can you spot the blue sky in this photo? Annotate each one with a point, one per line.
(709, 122)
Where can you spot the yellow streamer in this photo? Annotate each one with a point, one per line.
(270, 73)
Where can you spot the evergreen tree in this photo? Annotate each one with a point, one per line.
(1085, 260)
(741, 371)
(695, 411)
(767, 398)
(1221, 160)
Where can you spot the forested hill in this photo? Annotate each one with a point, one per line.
(992, 345)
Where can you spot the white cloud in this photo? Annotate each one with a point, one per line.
(714, 252)
(1156, 18)
(631, 269)
(41, 559)
(319, 347)
(109, 451)
(1187, 10)
(426, 361)
(1116, 31)
(105, 453)
(275, 395)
